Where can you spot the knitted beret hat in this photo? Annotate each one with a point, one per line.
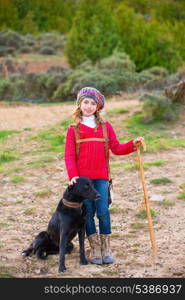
(90, 92)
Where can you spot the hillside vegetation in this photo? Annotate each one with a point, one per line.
(151, 33)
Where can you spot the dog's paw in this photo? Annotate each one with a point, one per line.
(84, 262)
(62, 269)
(25, 253)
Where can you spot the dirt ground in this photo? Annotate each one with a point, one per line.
(23, 214)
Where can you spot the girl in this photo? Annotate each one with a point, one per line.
(91, 162)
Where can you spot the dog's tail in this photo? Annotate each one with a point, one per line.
(39, 246)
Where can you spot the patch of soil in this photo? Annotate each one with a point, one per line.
(9, 67)
(17, 117)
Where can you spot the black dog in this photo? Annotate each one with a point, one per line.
(68, 220)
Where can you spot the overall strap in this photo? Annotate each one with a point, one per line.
(106, 146)
(77, 137)
(91, 139)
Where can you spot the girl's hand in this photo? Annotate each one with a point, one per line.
(73, 180)
(138, 141)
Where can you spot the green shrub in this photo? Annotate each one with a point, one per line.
(79, 78)
(53, 81)
(28, 40)
(47, 51)
(177, 29)
(153, 78)
(26, 49)
(157, 71)
(40, 86)
(109, 75)
(4, 51)
(51, 39)
(157, 108)
(117, 62)
(10, 38)
(18, 90)
(5, 85)
(122, 70)
(170, 11)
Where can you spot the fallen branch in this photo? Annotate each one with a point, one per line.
(176, 92)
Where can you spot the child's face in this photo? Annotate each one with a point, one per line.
(88, 107)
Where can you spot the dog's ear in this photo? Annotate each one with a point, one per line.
(70, 187)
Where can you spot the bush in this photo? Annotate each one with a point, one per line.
(109, 75)
(118, 62)
(10, 38)
(174, 78)
(93, 34)
(153, 78)
(4, 88)
(47, 51)
(26, 49)
(4, 51)
(157, 71)
(80, 78)
(53, 40)
(15, 77)
(154, 84)
(53, 81)
(18, 90)
(157, 108)
(38, 86)
(28, 39)
(148, 43)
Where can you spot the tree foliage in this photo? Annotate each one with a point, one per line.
(148, 44)
(150, 32)
(93, 34)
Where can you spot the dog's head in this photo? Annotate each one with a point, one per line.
(81, 190)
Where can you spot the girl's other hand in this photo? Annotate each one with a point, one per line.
(138, 141)
(73, 180)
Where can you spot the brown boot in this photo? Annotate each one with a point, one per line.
(95, 255)
(105, 249)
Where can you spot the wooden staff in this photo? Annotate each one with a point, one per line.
(146, 201)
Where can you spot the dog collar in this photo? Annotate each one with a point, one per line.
(71, 204)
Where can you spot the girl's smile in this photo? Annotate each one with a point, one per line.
(88, 107)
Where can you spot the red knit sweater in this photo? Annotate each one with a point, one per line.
(91, 160)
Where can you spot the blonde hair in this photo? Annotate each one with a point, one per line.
(77, 116)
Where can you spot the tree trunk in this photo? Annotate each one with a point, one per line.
(176, 92)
